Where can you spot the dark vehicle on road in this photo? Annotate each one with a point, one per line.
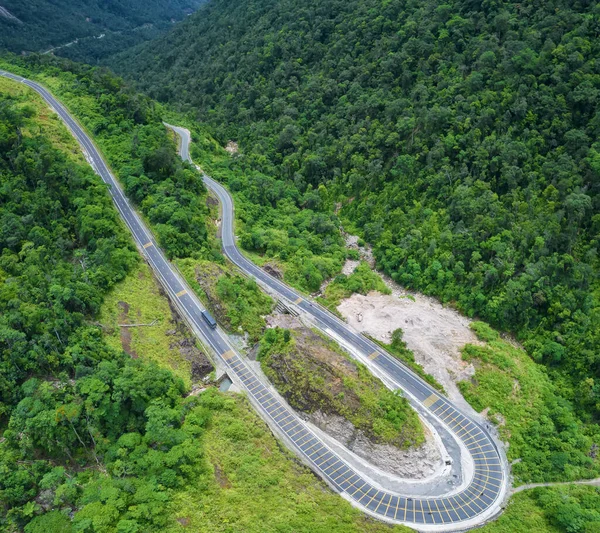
(209, 319)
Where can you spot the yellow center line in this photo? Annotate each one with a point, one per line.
(457, 415)
(429, 511)
(278, 411)
(388, 506)
(446, 509)
(337, 469)
(287, 423)
(380, 502)
(358, 489)
(372, 498)
(405, 509)
(467, 503)
(309, 449)
(422, 511)
(466, 431)
(484, 438)
(439, 511)
(441, 414)
(338, 477)
(291, 435)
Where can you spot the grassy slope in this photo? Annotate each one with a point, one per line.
(314, 374)
(544, 433)
(522, 514)
(141, 292)
(260, 487)
(46, 121)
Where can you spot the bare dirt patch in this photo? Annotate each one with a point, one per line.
(273, 270)
(434, 333)
(221, 477)
(126, 332)
(416, 462)
(232, 148)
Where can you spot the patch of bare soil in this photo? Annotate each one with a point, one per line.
(232, 148)
(221, 477)
(416, 462)
(125, 333)
(434, 333)
(186, 344)
(273, 270)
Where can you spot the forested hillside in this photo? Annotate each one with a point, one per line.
(72, 408)
(461, 138)
(37, 25)
(95, 438)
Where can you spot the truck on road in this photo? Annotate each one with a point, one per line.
(209, 319)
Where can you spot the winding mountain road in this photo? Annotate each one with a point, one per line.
(482, 493)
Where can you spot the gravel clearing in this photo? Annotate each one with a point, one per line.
(434, 333)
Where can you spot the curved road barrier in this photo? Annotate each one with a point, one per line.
(479, 500)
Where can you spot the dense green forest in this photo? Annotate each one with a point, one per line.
(91, 439)
(84, 427)
(129, 130)
(38, 25)
(460, 138)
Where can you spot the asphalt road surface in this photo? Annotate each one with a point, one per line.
(467, 507)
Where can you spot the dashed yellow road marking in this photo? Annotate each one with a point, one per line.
(373, 355)
(228, 355)
(181, 293)
(309, 449)
(338, 477)
(380, 502)
(147, 245)
(431, 400)
(372, 498)
(439, 511)
(336, 463)
(388, 506)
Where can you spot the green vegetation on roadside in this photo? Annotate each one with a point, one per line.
(128, 129)
(101, 439)
(551, 443)
(362, 280)
(274, 221)
(571, 509)
(236, 302)
(93, 440)
(459, 137)
(138, 299)
(314, 374)
(256, 486)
